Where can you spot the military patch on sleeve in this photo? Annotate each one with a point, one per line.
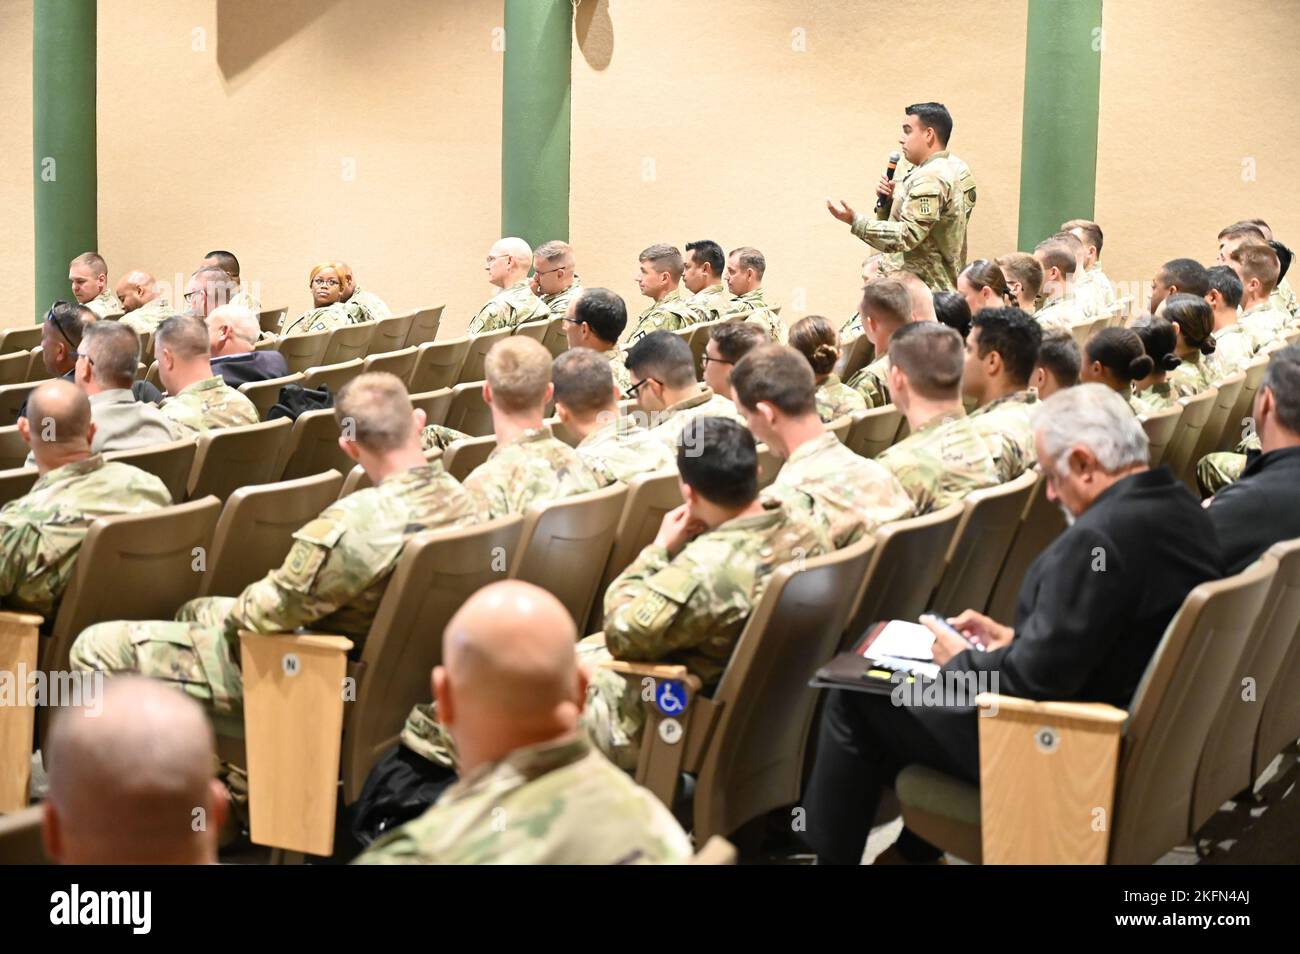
(648, 609)
(675, 583)
(311, 548)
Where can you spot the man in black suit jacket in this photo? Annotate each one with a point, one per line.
(232, 332)
(1263, 505)
(1091, 611)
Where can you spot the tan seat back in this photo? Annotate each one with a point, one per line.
(234, 457)
(332, 376)
(554, 340)
(16, 483)
(358, 479)
(438, 571)
(1226, 766)
(437, 364)
(12, 398)
(147, 348)
(435, 404)
(840, 427)
(36, 370)
(424, 327)
(468, 412)
(1229, 388)
(754, 758)
(20, 339)
(990, 520)
(1172, 711)
(534, 329)
(857, 354)
(905, 567)
(566, 544)
(1235, 425)
(699, 341)
(270, 319)
(133, 566)
(13, 449)
(462, 457)
(266, 394)
(301, 352)
(769, 465)
(13, 367)
(1196, 413)
(391, 334)
(349, 342)
(479, 346)
(1042, 523)
(21, 841)
(873, 430)
(1278, 687)
(1160, 428)
(171, 463)
(255, 531)
(154, 376)
(400, 363)
(313, 446)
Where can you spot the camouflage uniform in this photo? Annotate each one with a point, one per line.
(1215, 471)
(557, 802)
(208, 404)
(333, 316)
(1063, 313)
(1264, 324)
(688, 610)
(509, 308)
(941, 462)
(622, 378)
(1283, 299)
(670, 313)
(333, 580)
(1095, 291)
(148, 316)
(558, 304)
(927, 221)
(1191, 377)
(372, 306)
(621, 449)
(41, 533)
(1156, 398)
(437, 437)
(752, 307)
(530, 468)
(1234, 348)
(835, 399)
(872, 382)
(846, 495)
(712, 303)
(105, 305)
(1005, 424)
(672, 421)
(244, 299)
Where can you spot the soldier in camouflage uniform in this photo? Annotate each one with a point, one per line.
(728, 342)
(667, 394)
(686, 598)
(1062, 310)
(705, 265)
(885, 308)
(815, 339)
(238, 293)
(1092, 281)
(554, 280)
(144, 308)
(327, 282)
(925, 225)
(614, 447)
(507, 266)
(41, 533)
(370, 305)
(510, 673)
(595, 319)
(88, 276)
(333, 578)
(529, 465)
(200, 399)
(822, 482)
(944, 458)
(745, 268)
(1193, 322)
(438, 437)
(1001, 352)
(658, 277)
(1234, 348)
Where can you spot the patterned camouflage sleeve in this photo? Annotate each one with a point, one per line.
(19, 545)
(647, 608)
(917, 217)
(439, 437)
(489, 318)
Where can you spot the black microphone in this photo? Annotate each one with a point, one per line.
(882, 201)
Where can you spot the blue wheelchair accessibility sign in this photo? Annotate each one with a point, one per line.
(670, 697)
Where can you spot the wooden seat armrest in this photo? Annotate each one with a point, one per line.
(1086, 711)
(19, 660)
(652, 670)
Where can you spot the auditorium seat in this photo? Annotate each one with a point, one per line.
(348, 342)
(266, 394)
(171, 463)
(555, 340)
(1215, 425)
(391, 334)
(20, 639)
(873, 430)
(20, 339)
(424, 326)
(479, 346)
(400, 363)
(468, 412)
(12, 398)
(1160, 427)
(840, 427)
(435, 404)
(301, 352)
(857, 354)
(769, 465)
(21, 840)
(233, 457)
(1243, 408)
(1196, 413)
(438, 364)
(332, 376)
(1042, 523)
(269, 319)
(13, 367)
(534, 329)
(313, 446)
(16, 482)
(462, 457)
(13, 449)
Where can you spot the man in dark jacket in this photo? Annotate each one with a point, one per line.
(232, 332)
(1263, 505)
(1091, 611)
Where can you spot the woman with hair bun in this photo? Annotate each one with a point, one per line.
(983, 285)
(815, 339)
(1193, 321)
(1115, 357)
(1160, 340)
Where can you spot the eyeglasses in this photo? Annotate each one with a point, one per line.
(631, 392)
(492, 258)
(190, 294)
(325, 283)
(550, 271)
(706, 360)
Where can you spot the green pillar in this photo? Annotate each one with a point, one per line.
(1058, 152)
(63, 140)
(535, 120)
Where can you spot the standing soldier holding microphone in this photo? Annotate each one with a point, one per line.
(927, 218)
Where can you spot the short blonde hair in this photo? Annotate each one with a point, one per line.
(340, 270)
(375, 411)
(518, 371)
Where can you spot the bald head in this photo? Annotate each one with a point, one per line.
(58, 421)
(135, 289)
(232, 329)
(508, 262)
(131, 779)
(509, 676)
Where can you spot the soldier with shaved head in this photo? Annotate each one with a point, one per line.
(507, 264)
(88, 276)
(744, 275)
(198, 399)
(145, 307)
(555, 280)
(659, 277)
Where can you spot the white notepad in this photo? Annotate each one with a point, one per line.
(902, 640)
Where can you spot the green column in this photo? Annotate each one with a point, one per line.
(63, 139)
(535, 120)
(1058, 152)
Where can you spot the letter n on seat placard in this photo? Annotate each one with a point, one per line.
(293, 724)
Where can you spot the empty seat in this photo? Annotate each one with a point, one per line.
(873, 430)
(235, 457)
(391, 334)
(424, 327)
(332, 376)
(438, 364)
(1160, 427)
(468, 412)
(301, 352)
(12, 398)
(534, 329)
(171, 463)
(435, 404)
(400, 363)
(313, 446)
(266, 394)
(16, 482)
(13, 367)
(13, 449)
(20, 339)
(21, 838)
(270, 319)
(479, 346)
(462, 457)
(348, 342)
(857, 354)
(1179, 455)
(990, 521)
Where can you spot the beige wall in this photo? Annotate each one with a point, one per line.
(17, 241)
(1178, 131)
(732, 134)
(248, 142)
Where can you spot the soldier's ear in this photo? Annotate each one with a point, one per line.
(442, 695)
(25, 431)
(350, 448)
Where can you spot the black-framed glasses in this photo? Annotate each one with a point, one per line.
(539, 273)
(630, 393)
(706, 360)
